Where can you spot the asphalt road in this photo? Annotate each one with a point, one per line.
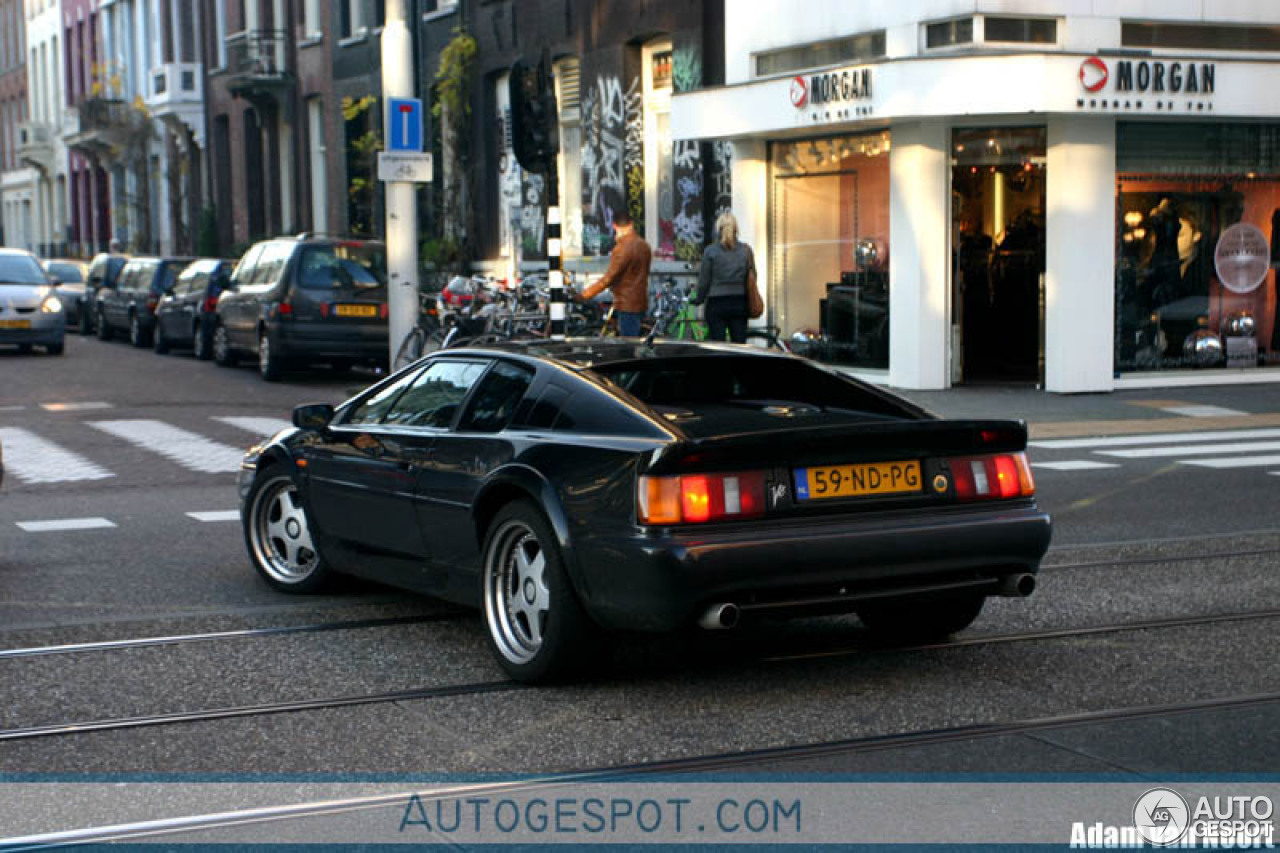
(1149, 539)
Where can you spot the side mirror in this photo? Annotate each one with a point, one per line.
(312, 416)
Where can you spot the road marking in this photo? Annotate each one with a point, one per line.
(1203, 411)
(64, 524)
(1162, 438)
(73, 407)
(1238, 462)
(32, 459)
(1073, 465)
(190, 450)
(216, 515)
(1198, 450)
(258, 426)
(13, 408)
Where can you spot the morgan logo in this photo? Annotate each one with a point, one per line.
(799, 92)
(1094, 74)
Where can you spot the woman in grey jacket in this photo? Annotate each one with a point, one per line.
(722, 282)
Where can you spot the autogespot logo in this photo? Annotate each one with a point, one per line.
(799, 92)
(1094, 74)
(1160, 816)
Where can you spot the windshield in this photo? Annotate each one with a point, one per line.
(65, 273)
(21, 269)
(361, 264)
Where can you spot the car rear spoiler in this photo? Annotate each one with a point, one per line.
(835, 445)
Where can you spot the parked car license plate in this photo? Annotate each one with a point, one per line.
(850, 481)
(15, 324)
(356, 310)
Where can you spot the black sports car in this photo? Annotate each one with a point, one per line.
(569, 489)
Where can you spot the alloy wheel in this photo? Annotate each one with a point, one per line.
(517, 599)
(280, 535)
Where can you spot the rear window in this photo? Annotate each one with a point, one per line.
(21, 269)
(343, 265)
(709, 380)
(65, 273)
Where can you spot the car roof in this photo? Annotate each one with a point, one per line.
(17, 252)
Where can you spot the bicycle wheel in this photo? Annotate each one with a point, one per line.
(766, 339)
(411, 348)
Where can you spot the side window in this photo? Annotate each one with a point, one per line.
(246, 270)
(143, 277)
(127, 277)
(372, 410)
(271, 266)
(434, 398)
(547, 408)
(495, 401)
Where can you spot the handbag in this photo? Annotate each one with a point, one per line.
(755, 304)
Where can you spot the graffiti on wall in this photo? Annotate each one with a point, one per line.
(508, 186)
(722, 176)
(533, 222)
(612, 148)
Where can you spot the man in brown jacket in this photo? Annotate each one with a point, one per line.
(628, 275)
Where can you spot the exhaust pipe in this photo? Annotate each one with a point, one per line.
(1017, 586)
(719, 617)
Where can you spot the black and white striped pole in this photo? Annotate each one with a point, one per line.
(558, 306)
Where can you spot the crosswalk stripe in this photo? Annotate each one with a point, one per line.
(55, 525)
(258, 426)
(1074, 465)
(1203, 411)
(1196, 450)
(1157, 438)
(1236, 462)
(216, 515)
(32, 459)
(190, 450)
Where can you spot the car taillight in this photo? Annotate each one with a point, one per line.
(210, 304)
(152, 301)
(698, 498)
(282, 309)
(384, 311)
(993, 477)
(324, 308)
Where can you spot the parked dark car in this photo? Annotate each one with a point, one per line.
(300, 300)
(69, 277)
(186, 314)
(573, 488)
(130, 306)
(104, 272)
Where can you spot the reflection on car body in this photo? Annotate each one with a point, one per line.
(573, 489)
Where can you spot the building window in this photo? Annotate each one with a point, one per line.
(829, 232)
(949, 33)
(1198, 237)
(312, 26)
(1020, 30)
(860, 48)
(318, 171)
(351, 22)
(660, 202)
(1200, 36)
(569, 162)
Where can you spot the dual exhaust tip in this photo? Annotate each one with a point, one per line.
(725, 615)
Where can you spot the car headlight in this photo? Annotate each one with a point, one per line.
(51, 305)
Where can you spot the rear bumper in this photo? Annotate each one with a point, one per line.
(331, 340)
(660, 580)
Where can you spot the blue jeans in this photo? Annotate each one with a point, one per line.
(629, 323)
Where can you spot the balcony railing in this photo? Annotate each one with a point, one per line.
(258, 58)
(106, 114)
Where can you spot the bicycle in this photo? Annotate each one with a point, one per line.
(416, 343)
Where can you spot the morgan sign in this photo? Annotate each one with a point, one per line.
(831, 87)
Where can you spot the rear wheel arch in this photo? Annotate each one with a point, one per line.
(522, 483)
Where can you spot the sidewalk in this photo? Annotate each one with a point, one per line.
(1116, 413)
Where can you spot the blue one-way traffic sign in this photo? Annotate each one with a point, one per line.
(404, 124)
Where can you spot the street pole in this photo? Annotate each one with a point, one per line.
(402, 201)
(555, 273)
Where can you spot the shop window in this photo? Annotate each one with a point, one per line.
(949, 33)
(1197, 243)
(1200, 36)
(660, 191)
(829, 226)
(863, 47)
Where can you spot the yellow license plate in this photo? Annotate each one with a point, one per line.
(15, 324)
(851, 481)
(356, 310)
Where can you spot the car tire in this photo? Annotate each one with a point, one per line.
(56, 349)
(202, 343)
(270, 365)
(278, 534)
(159, 343)
(104, 328)
(223, 354)
(536, 626)
(920, 618)
(138, 336)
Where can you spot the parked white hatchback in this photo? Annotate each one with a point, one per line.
(31, 314)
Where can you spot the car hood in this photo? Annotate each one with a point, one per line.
(23, 295)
